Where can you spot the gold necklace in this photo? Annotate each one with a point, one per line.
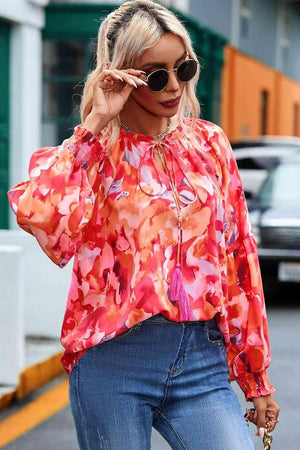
(158, 136)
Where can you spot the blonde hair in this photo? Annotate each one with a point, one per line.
(123, 37)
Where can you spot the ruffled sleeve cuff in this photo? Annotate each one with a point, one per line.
(86, 147)
(255, 384)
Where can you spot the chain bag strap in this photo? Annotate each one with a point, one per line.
(268, 438)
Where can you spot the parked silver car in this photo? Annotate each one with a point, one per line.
(256, 156)
(275, 216)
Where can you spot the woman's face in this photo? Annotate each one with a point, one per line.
(167, 54)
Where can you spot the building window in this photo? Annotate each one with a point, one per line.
(284, 41)
(285, 56)
(65, 66)
(285, 24)
(296, 119)
(264, 112)
(245, 16)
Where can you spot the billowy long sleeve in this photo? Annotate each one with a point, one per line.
(249, 349)
(56, 203)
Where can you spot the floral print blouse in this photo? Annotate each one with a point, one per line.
(122, 229)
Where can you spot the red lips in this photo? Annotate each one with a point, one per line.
(172, 102)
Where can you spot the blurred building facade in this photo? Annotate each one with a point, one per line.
(250, 85)
(261, 74)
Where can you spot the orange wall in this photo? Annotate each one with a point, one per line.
(289, 93)
(243, 79)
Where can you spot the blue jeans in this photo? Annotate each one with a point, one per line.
(172, 376)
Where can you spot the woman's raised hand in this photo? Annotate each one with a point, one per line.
(110, 93)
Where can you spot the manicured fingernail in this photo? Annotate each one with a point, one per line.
(142, 81)
(132, 82)
(261, 432)
(141, 71)
(119, 77)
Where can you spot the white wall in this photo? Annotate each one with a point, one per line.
(27, 18)
(25, 99)
(30, 12)
(12, 348)
(44, 286)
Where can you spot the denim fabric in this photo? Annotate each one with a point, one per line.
(172, 376)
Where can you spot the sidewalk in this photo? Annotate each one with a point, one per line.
(42, 364)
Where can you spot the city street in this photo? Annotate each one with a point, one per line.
(58, 431)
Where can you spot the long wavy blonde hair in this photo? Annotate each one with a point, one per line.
(123, 37)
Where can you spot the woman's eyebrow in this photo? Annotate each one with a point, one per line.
(159, 64)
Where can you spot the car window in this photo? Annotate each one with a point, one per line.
(258, 163)
(265, 145)
(281, 187)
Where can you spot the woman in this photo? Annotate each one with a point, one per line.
(166, 303)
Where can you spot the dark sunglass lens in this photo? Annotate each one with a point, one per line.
(187, 70)
(158, 80)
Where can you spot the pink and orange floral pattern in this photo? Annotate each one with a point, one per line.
(124, 241)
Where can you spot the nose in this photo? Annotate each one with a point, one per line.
(173, 82)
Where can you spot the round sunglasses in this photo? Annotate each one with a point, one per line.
(158, 80)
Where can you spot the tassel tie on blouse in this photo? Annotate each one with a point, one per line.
(176, 291)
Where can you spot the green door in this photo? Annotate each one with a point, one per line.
(4, 122)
